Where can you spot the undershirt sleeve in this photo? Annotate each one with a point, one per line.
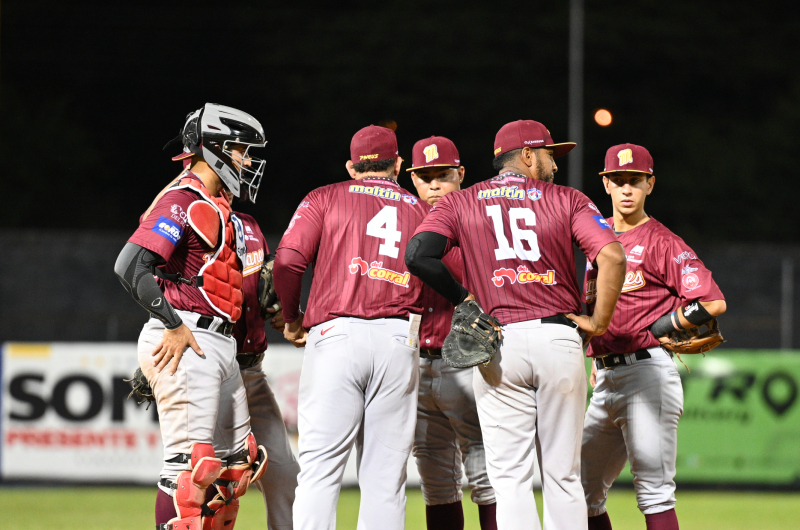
(424, 260)
(135, 267)
(288, 270)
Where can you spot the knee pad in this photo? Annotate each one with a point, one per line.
(190, 490)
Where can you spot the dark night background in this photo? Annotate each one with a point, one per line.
(91, 91)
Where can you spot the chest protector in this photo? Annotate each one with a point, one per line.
(220, 278)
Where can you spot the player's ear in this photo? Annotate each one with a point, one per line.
(461, 172)
(398, 163)
(605, 185)
(350, 170)
(650, 183)
(528, 156)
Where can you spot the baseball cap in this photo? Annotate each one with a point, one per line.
(527, 133)
(436, 151)
(628, 157)
(373, 143)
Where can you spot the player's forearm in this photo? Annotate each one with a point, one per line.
(611, 265)
(424, 260)
(287, 273)
(694, 314)
(135, 267)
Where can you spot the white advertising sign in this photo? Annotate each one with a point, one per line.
(66, 416)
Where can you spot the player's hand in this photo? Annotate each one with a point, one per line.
(171, 348)
(277, 322)
(470, 297)
(587, 326)
(295, 333)
(593, 375)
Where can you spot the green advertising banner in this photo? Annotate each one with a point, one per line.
(741, 419)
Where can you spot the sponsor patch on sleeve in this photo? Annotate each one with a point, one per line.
(168, 229)
(601, 221)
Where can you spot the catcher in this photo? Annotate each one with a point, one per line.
(638, 398)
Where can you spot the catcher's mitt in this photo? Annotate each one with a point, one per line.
(474, 337)
(692, 340)
(141, 388)
(267, 298)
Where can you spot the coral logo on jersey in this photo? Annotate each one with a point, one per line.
(534, 194)
(601, 221)
(168, 229)
(625, 157)
(504, 192)
(522, 275)
(253, 261)
(431, 153)
(177, 213)
(375, 191)
(634, 280)
(376, 271)
(690, 281)
(686, 255)
(410, 199)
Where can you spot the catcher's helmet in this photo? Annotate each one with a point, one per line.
(211, 132)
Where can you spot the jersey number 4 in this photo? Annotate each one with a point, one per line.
(384, 226)
(504, 250)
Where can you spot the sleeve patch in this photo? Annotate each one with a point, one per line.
(601, 221)
(168, 229)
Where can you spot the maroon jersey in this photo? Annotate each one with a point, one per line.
(516, 235)
(663, 273)
(249, 329)
(355, 234)
(166, 232)
(438, 312)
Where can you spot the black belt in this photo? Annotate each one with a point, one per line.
(430, 353)
(248, 360)
(204, 322)
(620, 359)
(560, 319)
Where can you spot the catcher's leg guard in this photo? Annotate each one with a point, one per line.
(190, 490)
(243, 469)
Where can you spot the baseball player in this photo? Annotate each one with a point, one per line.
(192, 239)
(280, 479)
(361, 365)
(448, 431)
(638, 399)
(516, 231)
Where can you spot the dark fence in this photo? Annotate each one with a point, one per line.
(60, 286)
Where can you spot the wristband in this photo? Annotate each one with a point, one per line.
(695, 313)
(666, 324)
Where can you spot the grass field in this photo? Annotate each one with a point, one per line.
(132, 508)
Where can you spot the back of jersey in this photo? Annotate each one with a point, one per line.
(517, 236)
(355, 235)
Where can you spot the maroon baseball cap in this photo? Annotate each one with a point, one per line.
(373, 143)
(527, 133)
(628, 157)
(436, 151)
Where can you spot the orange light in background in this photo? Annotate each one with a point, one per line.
(603, 118)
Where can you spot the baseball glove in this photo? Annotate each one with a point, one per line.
(267, 298)
(692, 340)
(141, 388)
(474, 337)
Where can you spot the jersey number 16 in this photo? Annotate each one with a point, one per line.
(504, 250)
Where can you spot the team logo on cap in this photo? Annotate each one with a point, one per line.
(625, 157)
(431, 153)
